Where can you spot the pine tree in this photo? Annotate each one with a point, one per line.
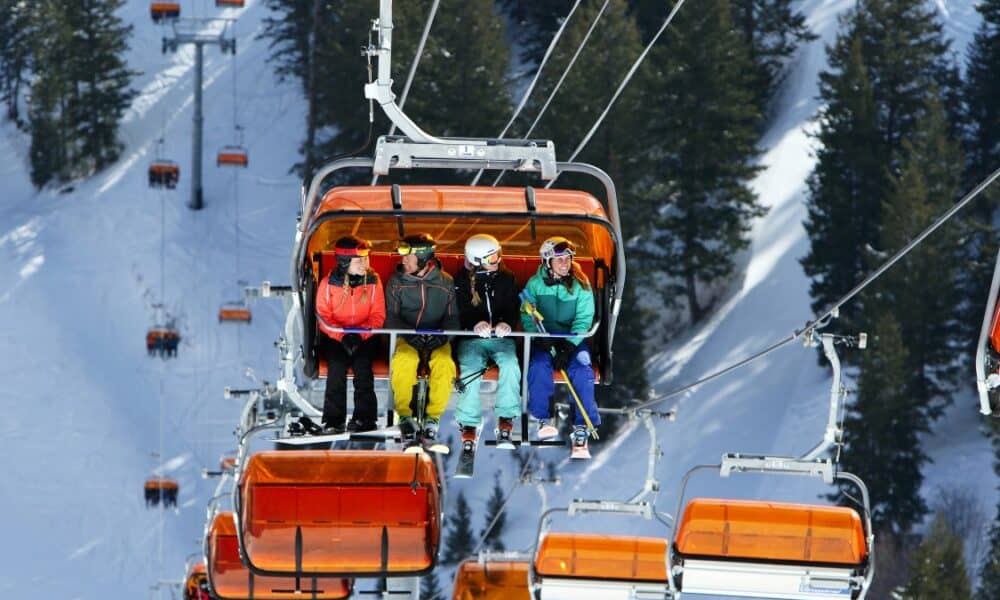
(459, 543)
(80, 91)
(494, 510)
(16, 29)
(772, 30)
(989, 571)
(296, 34)
(938, 567)
(537, 23)
(101, 78)
(982, 88)
(430, 587)
(882, 66)
(881, 433)
(703, 147)
(922, 290)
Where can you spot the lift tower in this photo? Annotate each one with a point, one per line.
(199, 32)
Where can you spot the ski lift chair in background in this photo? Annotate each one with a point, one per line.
(229, 579)
(232, 156)
(161, 490)
(587, 566)
(504, 577)
(164, 174)
(164, 11)
(162, 341)
(767, 549)
(235, 312)
(229, 3)
(196, 582)
(339, 513)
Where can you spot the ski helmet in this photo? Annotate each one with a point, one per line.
(348, 247)
(420, 245)
(481, 250)
(556, 246)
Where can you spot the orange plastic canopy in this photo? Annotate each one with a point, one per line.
(345, 505)
(605, 557)
(492, 580)
(775, 531)
(231, 579)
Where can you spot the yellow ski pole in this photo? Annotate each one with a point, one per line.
(579, 406)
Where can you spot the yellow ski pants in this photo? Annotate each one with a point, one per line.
(404, 376)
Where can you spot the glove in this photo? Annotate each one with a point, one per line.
(350, 342)
(563, 351)
(426, 343)
(543, 345)
(502, 329)
(482, 329)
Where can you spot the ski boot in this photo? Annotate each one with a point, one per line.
(430, 439)
(505, 427)
(580, 448)
(356, 426)
(467, 460)
(546, 431)
(408, 433)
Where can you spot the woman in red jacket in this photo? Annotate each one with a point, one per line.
(351, 296)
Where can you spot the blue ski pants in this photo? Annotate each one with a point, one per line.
(541, 386)
(473, 355)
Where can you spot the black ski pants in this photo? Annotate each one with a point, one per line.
(337, 363)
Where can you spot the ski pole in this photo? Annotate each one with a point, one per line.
(461, 382)
(579, 406)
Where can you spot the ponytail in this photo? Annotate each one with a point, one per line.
(476, 300)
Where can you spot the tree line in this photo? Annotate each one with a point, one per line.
(63, 79)
(901, 136)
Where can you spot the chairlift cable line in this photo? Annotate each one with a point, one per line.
(812, 325)
(503, 506)
(562, 78)
(413, 66)
(534, 80)
(621, 86)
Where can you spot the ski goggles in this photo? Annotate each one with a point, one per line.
(566, 248)
(403, 248)
(489, 261)
(352, 251)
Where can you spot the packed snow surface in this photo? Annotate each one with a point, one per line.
(88, 416)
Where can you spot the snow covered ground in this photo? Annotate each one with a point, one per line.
(88, 416)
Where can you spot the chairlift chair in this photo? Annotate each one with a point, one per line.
(768, 549)
(339, 513)
(988, 350)
(229, 579)
(162, 341)
(164, 11)
(235, 312)
(159, 490)
(229, 3)
(232, 156)
(587, 566)
(163, 174)
(196, 582)
(487, 578)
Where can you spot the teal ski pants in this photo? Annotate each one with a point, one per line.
(473, 355)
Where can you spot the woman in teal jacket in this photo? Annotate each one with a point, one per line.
(560, 292)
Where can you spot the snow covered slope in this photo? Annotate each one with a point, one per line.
(88, 416)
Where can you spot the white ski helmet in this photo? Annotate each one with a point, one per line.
(481, 250)
(556, 246)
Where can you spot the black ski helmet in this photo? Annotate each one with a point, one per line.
(348, 247)
(420, 245)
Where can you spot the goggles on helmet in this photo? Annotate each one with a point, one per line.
(404, 248)
(564, 248)
(490, 260)
(352, 251)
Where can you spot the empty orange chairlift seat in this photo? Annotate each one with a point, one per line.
(345, 508)
(492, 580)
(232, 3)
(232, 156)
(164, 10)
(239, 314)
(772, 531)
(604, 557)
(231, 580)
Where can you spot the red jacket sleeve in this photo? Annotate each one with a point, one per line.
(376, 316)
(325, 316)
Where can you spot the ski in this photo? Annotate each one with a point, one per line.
(423, 445)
